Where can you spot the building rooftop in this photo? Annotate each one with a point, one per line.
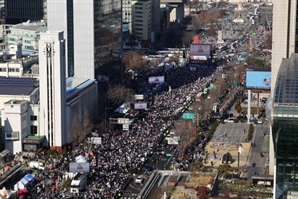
(15, 101)
(16, 85)
(76, 83)
(30, 26)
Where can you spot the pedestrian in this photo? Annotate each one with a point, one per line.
(243, 130)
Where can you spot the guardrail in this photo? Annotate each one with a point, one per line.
(178, 178)
(166, 183)
(149, 185)
(187, 179)
(160, 180)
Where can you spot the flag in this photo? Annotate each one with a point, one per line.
(91, 153)
(240, 149)
(170, 89)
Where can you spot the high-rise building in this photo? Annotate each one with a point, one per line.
(142, 19)
(284, 39)
(284, 128)
(93, 33)
(52, 87)
(284, 108)
(17, 11)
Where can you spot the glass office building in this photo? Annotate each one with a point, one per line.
(93, 33)
(285, 127)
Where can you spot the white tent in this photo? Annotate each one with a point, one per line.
(4, 193)
(80, 158)
(122, 109)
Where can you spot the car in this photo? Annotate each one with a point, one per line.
(139, 179)
(147, 167)
(260, 121)
(229, 120)
(164, 143)
(153, 158)
(159, 151)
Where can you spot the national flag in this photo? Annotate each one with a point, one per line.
(91, 153)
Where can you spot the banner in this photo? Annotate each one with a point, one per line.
(200, 50)
(141, 105)
(78, 167)
(156, 80)
(9, 136)
(139, 97)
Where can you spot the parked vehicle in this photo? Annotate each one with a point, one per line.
(78, 183)
(36, 165)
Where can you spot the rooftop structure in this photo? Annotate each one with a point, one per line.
(178, 184)
(27, 33)
(17, 86)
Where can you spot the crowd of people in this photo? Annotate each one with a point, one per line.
(123, 153)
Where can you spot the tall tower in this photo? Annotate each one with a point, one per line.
(284, 34)
(52, 87)
(93, 33)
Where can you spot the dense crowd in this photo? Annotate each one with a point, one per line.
(122, 153)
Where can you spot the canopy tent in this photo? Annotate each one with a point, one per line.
(4, 193)
(80, 158)
(23, 182)
(122, 109)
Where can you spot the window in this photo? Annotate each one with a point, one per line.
(33, 130)
(17, 70)
(11, 70)
(33, 117)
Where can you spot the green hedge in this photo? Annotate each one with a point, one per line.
(250, 132)
(212, 130)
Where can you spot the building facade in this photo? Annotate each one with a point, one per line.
(142, 20)
(284, 39)
(127, 13)
(284, 128)
(17, 11)
(52, 87)
(89, 26)
(28, 34)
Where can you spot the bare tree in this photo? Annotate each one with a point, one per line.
(133, 61)
(80, 127)
(119, 94)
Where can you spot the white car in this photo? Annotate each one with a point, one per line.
(260, 121)
(139, 179)
(229, 120)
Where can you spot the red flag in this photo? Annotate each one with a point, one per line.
(91, 153)
(196, 39)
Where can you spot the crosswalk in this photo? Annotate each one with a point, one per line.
(124, 197)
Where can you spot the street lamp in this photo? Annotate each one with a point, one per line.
(106, 116)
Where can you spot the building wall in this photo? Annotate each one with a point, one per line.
(283, 44)
(155, 17)
(17, 11)
(29, 38)
(127, 13)
(57, 20)
(85, 98)
(33, 97)
(52, 88)
(83, 38)
(142, 19)
(15, 120)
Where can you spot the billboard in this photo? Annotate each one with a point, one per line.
(78, 167)
(141, 105)
(125, 27)
(156, 80)
(258, 79)
(139, 97)
(10, 136)
(200, 50)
